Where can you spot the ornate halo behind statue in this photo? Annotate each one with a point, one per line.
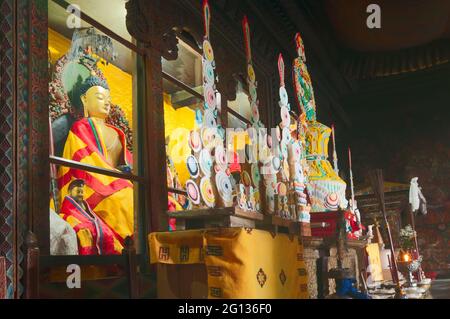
(64, 89)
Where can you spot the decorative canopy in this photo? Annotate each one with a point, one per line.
(88, 38)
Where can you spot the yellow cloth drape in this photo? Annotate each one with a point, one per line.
(111, 198)
(241, 262)
(373, 252)
(178, 123)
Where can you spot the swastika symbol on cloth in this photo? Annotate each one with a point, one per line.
(215, 271)
(216, 292)
(214, 250)
(164, 253)
(184, 253)
(301, 271)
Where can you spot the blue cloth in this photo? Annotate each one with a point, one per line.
(345, 287)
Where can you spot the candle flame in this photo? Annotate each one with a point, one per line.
(406, 257)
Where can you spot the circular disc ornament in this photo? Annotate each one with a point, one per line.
(251, 153)
(248, 153)
(205, 162)
(195, 142)
(210, 119)
(252, 91)
(294, 152)
(332, 201)
(208, 136)
(276, 163)
(255, 112)
(220, 156)
(251, 73)
(269, 140)
(264, 155)
(298, 173)
(285, 117)
(199, 117)
(245, 179)
(207, 192)
(283, 96)
(224, 187)
(278, 133)
(270, 198)
(221, 132)
(210, 97)
(270, 179)
(193, 192)
(208, 73)
(192, 166)
(256, 177)
(276, 150)
(208, 51)
(281, 189)
(284, 150)
(285, 135)
(286, 170)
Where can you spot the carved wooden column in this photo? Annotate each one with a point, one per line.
(149, 23)
(32, 267)
(2, 277)
(129, 252)
(35, 120)
(314, 265)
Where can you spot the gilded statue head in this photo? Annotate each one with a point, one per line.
(95, 97)
(76, 190)
(300, 47)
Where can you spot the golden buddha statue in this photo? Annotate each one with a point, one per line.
(91, 140)
(97, 104)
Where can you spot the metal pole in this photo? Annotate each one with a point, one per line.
(378, 188)
(413, 224)
(53, 170)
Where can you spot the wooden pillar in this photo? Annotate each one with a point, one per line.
(413, 225)
(129, 253)
(2, 277)
(151, 24)
(322, 277)
(36, 118)
(155, 157)
(153, 28)
(32, 267)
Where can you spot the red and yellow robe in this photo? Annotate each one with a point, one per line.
(109, 197)
(93, 235)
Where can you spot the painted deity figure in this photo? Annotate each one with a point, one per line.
(94, 237)
(94, 142)
(325, 187)
(303, 83)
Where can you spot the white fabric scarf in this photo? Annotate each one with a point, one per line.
(414, 198)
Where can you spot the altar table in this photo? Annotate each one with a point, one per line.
(236, 263)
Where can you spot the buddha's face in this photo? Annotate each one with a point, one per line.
(97, 102)
(77, 193)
